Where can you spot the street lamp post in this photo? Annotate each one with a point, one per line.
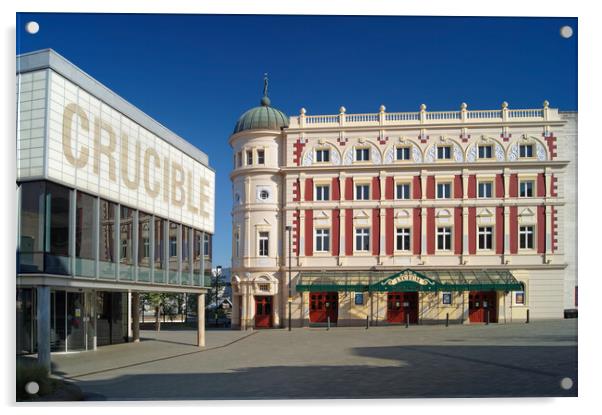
(218, 274)
(290, 300)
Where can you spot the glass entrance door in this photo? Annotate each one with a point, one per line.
(68, 323)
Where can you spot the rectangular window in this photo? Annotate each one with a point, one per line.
(107, 231)
(239, 158)
(485, 237)
(446, 298)
(402, 191)
(525, 150)
(526, 237)
(443, 190)
(362, 192)
(444, 238)
(322, 240)
(196, 258)
(362, 239)
(32, 214)
(323, 192)
(526, 188)
(264, 238)
(402, 239)
(185, 254)
(260, 157)
(444, 153)
(249, 157)
(207, 245)
(126, 237)
(84, 226)
(144, 228)
(519, 297)
(323, 156)
(403, 153)
(173, 246)
(485, 189)
(159, 244)
(485, 152)
(362, 154)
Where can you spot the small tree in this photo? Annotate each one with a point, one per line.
(157, 302)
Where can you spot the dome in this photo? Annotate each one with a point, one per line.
(263, 117)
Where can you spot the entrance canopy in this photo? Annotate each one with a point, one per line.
(409, 280)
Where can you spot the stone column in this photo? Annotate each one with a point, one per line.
(43, 326)
(341, 236)
(549, 230)
(136, 317)
(423, 224)
(276, 308)
(506, 231)
(383, 236)
(200, 342)
(464, 233)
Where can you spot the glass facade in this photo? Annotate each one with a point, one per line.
(61, 229)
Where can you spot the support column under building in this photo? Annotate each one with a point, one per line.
(200, 320)
(43, 326)
(135, 317)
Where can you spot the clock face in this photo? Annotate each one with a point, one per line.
(263, 193)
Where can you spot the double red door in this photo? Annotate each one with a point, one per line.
(263, 311)
(323, 305)
(401, 306)
(479, 304)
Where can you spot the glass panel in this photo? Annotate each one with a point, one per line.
(196, 270)
(26, 327)
(159, 269)
(31, 246)
(185, 277)
(84, 235)
(173, 253)
(76, 330)
(106, 245)
(144, 243)
(57, 229)
(57, 321)
(208, 251)
(126, 244)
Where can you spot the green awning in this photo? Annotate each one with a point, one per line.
(410, 280)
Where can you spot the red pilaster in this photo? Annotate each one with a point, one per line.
(335, 232)
(417, 231)
(472, 186)
(513, 186)
(309, 232)
(513, 229)
(541, 229)
(458, 186)
(499, 185)
(430, 187)
(541, 185)
(499, 230)
(389, 188)
(458, 231)
(375, 231)
(389, 231)
(416, 189)
(375, 188)
(348, 232)
(336, 189)
(472, 230)
(309, 190)
(349, 188)
(430, 231)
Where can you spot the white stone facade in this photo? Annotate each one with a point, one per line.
(508, 172)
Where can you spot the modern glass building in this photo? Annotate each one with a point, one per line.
(110, 204)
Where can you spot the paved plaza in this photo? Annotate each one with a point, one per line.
(381, 362)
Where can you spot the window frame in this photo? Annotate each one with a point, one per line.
(525, 146)
(488, 237)
(529, 235)
(400, 234)
(491, 190)
(404, 149)
(320, 152)
(365, 235)
(441, 183)
(447, 232)
(484, 146)
(449, 152)
(322, 234)
(249, 157)
(366, 194)
(363, 150)
(261, 156)
(324, 188)
(263, 237)
(520, 188)
(409, 192)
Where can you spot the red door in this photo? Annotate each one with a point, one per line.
(400, 305)
(481, 302)
(263, 312)
(323, 305)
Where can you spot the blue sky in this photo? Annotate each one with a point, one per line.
(196, 74)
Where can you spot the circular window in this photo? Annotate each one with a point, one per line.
(264, 195)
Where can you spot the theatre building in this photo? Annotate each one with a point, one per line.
(110, 204)
(403, 217)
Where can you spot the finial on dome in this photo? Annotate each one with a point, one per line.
(265, 101)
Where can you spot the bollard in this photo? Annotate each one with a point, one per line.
(446, 319)
(407, 320)
(367, 323)
(527, 316)
(487, 321)
(328, 322)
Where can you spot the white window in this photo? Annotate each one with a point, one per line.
(362, 239)
(485, 237)
(249, 157)
(444, 238)
(444, 153)
(362, 154)
(443, 190)
(526, 188)
(239, 158)
(403, 153)
(485, 152)
(260, 157)
(362, 192)
(322, 192)
(525, 150)
(322, 156)
(264, 238)
(526, 237)
(402, 239)
(485, 189)
(322, 240)
(402, 191)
